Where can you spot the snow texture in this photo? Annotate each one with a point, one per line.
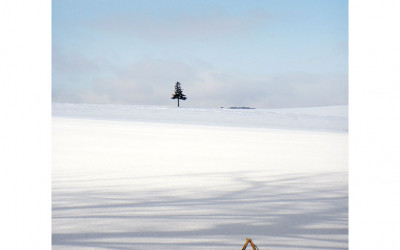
(318, 118)
(147, 177)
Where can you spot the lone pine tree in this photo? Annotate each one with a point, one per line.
(178, 93)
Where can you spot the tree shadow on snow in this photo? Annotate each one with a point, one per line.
(299, 211)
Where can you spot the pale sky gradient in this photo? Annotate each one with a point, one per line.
(264, 54)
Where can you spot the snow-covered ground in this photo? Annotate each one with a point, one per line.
(149, 177)
(318, 118)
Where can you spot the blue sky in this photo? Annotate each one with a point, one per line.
(264, 54)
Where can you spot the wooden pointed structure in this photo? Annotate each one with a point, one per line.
(248, 240)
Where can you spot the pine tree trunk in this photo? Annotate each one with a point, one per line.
(178, 102)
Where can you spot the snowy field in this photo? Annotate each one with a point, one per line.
(151, 177)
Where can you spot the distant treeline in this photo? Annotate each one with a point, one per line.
(240, 108)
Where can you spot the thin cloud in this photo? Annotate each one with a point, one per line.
(180, 25)
(151, 82)
(72, 63)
